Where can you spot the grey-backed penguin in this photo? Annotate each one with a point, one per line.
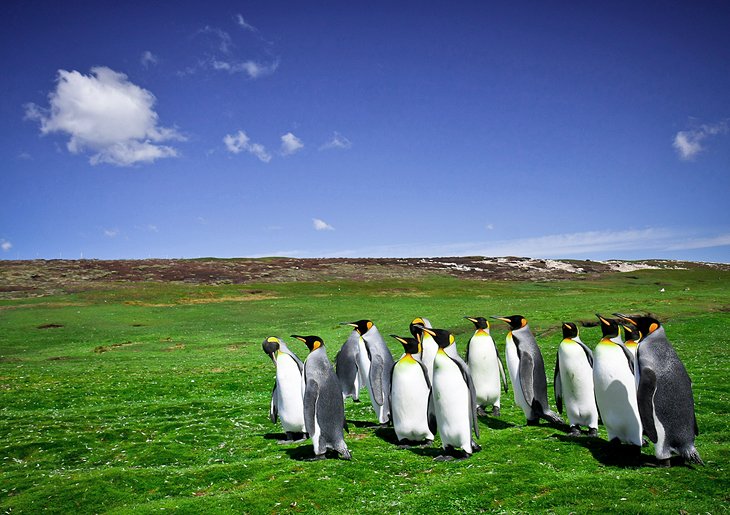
(375, 357)
(428, 345)
(347, 368)
(666, 403)
(452, 405)
(615, 386)
(573, 382)
(324, 408)
(485, 366)
(527, 371)
(410, 389)
(287, 397)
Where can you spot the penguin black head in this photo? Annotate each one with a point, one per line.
(361, 326)
(415, 327)
(514, 321)
(479, 322)
(644, 323)
(570, 330)
(313, 342)
(442, 337)
(609, 326)
(631, 332)
(270, 346)
(410, 345)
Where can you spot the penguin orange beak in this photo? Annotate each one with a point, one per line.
(503, 319)
(425, 329)
(624, 317)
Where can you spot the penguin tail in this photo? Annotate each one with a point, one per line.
(692, 456)
(552, 417)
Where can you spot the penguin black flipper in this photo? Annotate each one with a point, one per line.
(558, 385)
(274, 408)
(588, 351)
(431, 414)
(311, 393)
(377, 374)
(464, 368)
(527, 367)
(501, 368)
(645, 395)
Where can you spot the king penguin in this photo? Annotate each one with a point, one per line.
(428, 345)
(485, 366)
(573, 382)
(666, 403)
(347, 368)
(452, 405)
(631, 340)
(527, 371)
(375, 357)
(410, 389)
(287, 400)
(324, 408)
(613, 379)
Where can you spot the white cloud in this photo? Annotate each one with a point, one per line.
(106, 115)
(321, 225)
(222, 38)
(689, 143)
(242, 23)
(148, 59)
(290, 144)
(239, 142)
(111, 233)
(337, 141)
(5, 245)
(489, 227)
(251, 68)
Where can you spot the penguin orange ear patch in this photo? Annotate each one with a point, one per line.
(524, 322)
(272, 339)
(370, 325)
(451, 338)
(653, 327)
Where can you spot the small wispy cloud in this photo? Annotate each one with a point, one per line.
(5, 245)
(221, 38)
(148, 59)
(489, 227)
(111, 233)
(338, 141)
(243, 23)
(689, 143)
(290, 144)
(240, 142)
(251, 68)
(321, 225)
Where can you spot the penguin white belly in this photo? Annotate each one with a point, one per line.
(451, 404)
(616, 394)
(484, 370)
(289, 391)
(513, 366)
(576, 379)
(428, 354)
(409, 401)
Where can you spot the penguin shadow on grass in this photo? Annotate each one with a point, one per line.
(611, 454)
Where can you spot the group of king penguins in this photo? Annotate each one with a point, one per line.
(637, 386)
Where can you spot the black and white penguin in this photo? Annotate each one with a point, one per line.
(666, 403)
(527, 371)
(428, 345)
(452, 405)
(485, 366)
(347, 368)
(287, 397)
(631, 340)
(375, 358)
(410, 389)
(573, 382)
(324, 408)
(615, 386)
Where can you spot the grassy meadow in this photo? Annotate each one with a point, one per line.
(144, 397)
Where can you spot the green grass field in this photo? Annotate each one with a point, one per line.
(144, 397)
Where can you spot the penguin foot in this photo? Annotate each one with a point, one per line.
(481, 412)
(496, 412)
(317, 457)
(574, 431)
(665, 463)
(533, 422)
(345, 455)
(475, 447)
(593, 431)
(444, 457)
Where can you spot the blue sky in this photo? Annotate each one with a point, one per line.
(188, 129)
